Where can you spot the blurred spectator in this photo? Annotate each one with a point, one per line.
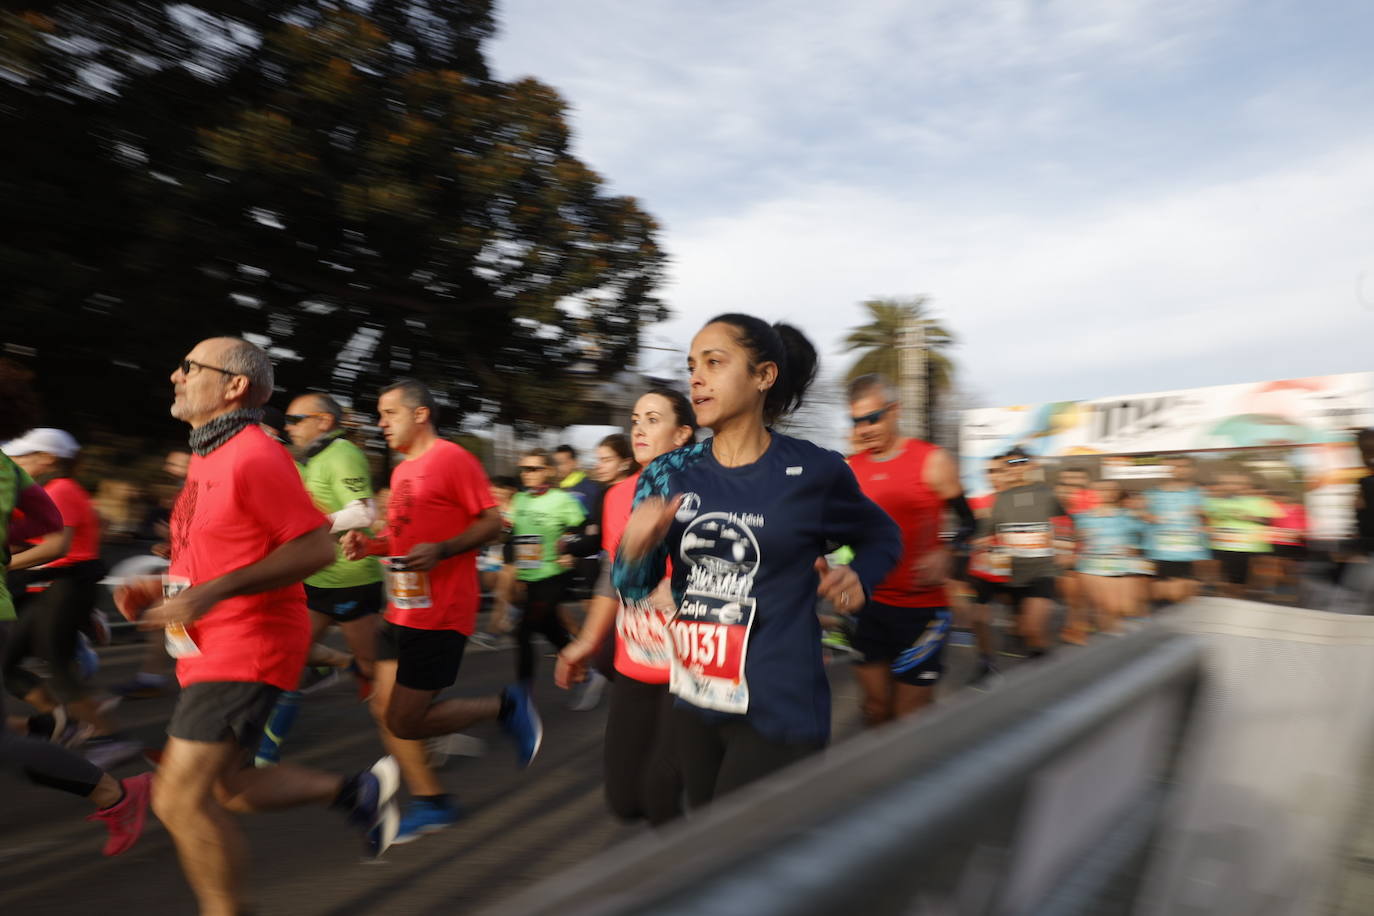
(120, 504)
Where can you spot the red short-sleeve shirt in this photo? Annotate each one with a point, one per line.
(433, 498)
(78, 514)
(241, 502)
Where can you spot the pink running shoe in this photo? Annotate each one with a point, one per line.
(125, 820)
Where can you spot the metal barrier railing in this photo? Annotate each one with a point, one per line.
(1040, 797)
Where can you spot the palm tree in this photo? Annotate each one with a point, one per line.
(880, 340)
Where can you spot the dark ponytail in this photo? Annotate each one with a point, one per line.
(683, 414)
(784, 346)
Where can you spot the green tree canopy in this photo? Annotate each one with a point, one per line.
(346, 182)
(879, 341)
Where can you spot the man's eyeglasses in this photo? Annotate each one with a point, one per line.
(1013, 461)
(532, 468)
(186, 365)
(873, 417)
(293, 418)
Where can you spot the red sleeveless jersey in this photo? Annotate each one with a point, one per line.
(898, 486)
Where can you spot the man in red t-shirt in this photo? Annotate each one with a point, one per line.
(440, 514)
(244, 533)
(903, 628)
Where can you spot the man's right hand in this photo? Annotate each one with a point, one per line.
(137, 595)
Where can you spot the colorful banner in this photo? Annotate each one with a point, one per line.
(1320, 412)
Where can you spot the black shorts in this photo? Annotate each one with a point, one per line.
(1290, 551)
(344, 605)
(216, 711)
(585, 572)
(1235, 565)
(425, 659)
(1174, 569)
(910, 639)
(1036, 588)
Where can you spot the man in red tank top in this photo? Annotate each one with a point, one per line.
(903, 628)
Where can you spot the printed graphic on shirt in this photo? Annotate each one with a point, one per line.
(643, 631)
(716, 615)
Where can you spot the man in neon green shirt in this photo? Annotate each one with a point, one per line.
(347, 592)
(1239, 528)
(541, 515)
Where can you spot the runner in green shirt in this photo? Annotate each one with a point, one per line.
(1238, 525)
(540, 517)
(348, 593)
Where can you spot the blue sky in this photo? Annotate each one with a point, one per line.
(1098, 197)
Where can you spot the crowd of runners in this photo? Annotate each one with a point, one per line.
(697, 581)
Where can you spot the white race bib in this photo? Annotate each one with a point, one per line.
(407, 589)
(529, 551)
(710, 643)
(1026, 540)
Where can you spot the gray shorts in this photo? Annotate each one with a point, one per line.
(217, 711)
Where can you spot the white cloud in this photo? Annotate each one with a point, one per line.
(1093, 192)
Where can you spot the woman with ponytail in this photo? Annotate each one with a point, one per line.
(746, 517)
(641, 778)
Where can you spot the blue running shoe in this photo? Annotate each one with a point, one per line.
(522, 722)
(425, 816)
(374, 810)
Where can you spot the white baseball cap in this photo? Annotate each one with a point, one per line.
(43, 439)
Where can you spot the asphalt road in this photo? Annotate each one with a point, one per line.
(521, 825)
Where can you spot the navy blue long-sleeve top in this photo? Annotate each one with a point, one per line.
(744, 543)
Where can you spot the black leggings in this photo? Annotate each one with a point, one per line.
(642, 780)
(48, 626)
(540, 616)
(42, 761)
(718, 758)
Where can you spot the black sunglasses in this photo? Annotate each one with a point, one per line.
(186, 365)
(873, 417)
(531, 468)
(294, 418)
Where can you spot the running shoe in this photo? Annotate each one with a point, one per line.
(522, 723)
(1013, 646)
(424, 816)
(125, 819)
(590, 694)
(837, 640)
(439, 749)
(318, 678)
(986, 677)
(1074, 636)
(484, 640)
(87, 662)
(374, 809)
(107, 752)
(144, 687)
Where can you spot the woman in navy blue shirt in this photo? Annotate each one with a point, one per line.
(746, 517)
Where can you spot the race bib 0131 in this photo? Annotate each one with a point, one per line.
(710, 643)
